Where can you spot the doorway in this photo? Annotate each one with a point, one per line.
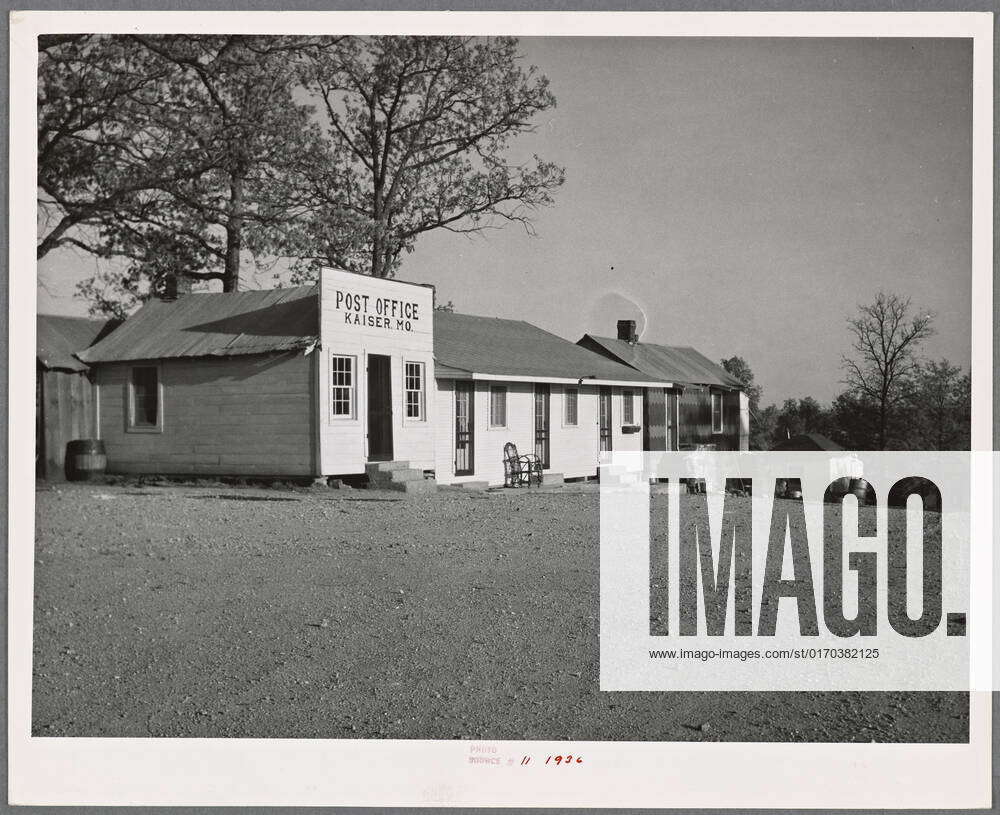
(671, 411)
(379, 408)
(604, 418)
(542, 429)
(465, 442)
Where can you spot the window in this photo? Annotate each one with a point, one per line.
(716, 412)
(342, 386)
(413, 390)
(144, 387)
(498, 405)
(570, 398)
(628, 408)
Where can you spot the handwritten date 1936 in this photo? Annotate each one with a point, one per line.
(564, 760)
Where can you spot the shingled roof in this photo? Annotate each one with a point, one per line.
(680, 364)
(215, 324)
(465, 344)
(58, 338)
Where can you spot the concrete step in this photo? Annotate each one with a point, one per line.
(421, 487)
(553, 478)
(473, 485)
(394, 476)
(385, 466)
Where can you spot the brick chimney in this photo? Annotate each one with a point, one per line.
(174, 286)
(626, 331)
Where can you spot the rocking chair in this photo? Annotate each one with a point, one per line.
(520, 470)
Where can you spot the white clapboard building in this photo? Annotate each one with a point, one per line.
(350, 375)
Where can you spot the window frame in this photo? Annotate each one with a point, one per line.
(628, 407)
(576, 407)
(421, 392)
(505, 391)
(130, 415)
(721, 427)
(352, 414)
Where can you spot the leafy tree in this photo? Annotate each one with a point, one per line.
(183, 154)
(939, 404)
(854, 422)
(764, 429)
(95, 151)
(885, 340)
(805, 415)
(176, 153)
(739, 368)
(419, 130)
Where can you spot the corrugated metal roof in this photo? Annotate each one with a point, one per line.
(489, 345)
(216, 324)
(680, 364)
(256, 322)
(57, 338)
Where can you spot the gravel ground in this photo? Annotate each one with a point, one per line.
(214, 611)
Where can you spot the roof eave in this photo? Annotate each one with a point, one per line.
(307, 344)
(562, 380)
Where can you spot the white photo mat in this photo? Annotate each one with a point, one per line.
(117, 771)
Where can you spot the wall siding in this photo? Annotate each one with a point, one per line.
(343, 441)
(695, 409)
(247, 415)
(573, 450)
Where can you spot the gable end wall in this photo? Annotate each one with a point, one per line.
(245, 415)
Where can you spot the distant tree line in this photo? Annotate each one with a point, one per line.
(194, 155)
(892, 399)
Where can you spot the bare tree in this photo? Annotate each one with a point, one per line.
(886, 338)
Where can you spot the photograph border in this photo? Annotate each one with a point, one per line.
(418, 772)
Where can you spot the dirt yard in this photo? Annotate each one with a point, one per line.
(216, 611)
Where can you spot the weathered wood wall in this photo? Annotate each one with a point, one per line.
(695, 409)
(246, 415)
(64, 411)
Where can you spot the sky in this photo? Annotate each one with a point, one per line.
(741, 196)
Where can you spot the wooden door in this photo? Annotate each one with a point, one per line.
(671, 416)
(465, 440)
(379, 408)
(654, 420)
(542, 427)
(604, 418)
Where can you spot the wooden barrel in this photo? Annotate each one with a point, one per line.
(85, 459)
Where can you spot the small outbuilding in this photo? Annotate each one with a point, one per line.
(65, 407)
(807, 442)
